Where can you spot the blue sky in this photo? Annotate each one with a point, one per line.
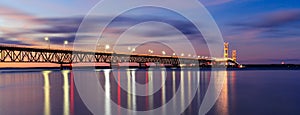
(262, 31)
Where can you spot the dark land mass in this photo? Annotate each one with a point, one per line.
(271, 66)
(245, 67)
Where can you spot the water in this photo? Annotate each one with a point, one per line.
(253, 92)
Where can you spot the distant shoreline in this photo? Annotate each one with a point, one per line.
(246, 67)
(272, 65)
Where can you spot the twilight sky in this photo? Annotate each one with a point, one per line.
(262, 31)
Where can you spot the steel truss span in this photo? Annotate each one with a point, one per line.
(37, 55)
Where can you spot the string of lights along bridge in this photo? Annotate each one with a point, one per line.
(68, 57)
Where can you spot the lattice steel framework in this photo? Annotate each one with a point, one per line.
(30, 55)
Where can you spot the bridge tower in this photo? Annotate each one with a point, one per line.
(226, 48)
(233, 55)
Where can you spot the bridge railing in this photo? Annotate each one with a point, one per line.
(30, 54)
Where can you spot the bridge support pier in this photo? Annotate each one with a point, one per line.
(175, 65)
(113, 65)
(68, 66)
(61, 67)
(157, 64)
(71, 66)
(142, 65)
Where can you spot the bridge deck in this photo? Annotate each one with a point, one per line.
(29, 54)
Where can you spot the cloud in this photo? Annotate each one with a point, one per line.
(214, 2)
(12, 19)
(15, 25)
(13, 14)
(277, 18)
(6, 41)
(271, 19)
(271, 35)
(59, 29)
(66, 28)
(60, 40)
(160, 30)
(276, 24)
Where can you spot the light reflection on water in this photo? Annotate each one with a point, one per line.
(129, 90)
(47, 103)
(54, 92)
(222, 104)
(66, 92)
(150, 98)
(107, 93)
(163, 90)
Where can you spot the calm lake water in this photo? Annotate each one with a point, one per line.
(166, 91)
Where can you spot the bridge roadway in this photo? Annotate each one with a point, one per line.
(39, 55)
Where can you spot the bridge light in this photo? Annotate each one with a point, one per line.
(163, 52)
(198, 56)
(174, 54)
(46, 38)
(189, 55)
(107, 47)
(150, 51)
(182, 54)
(131, 49)
(66, 42)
